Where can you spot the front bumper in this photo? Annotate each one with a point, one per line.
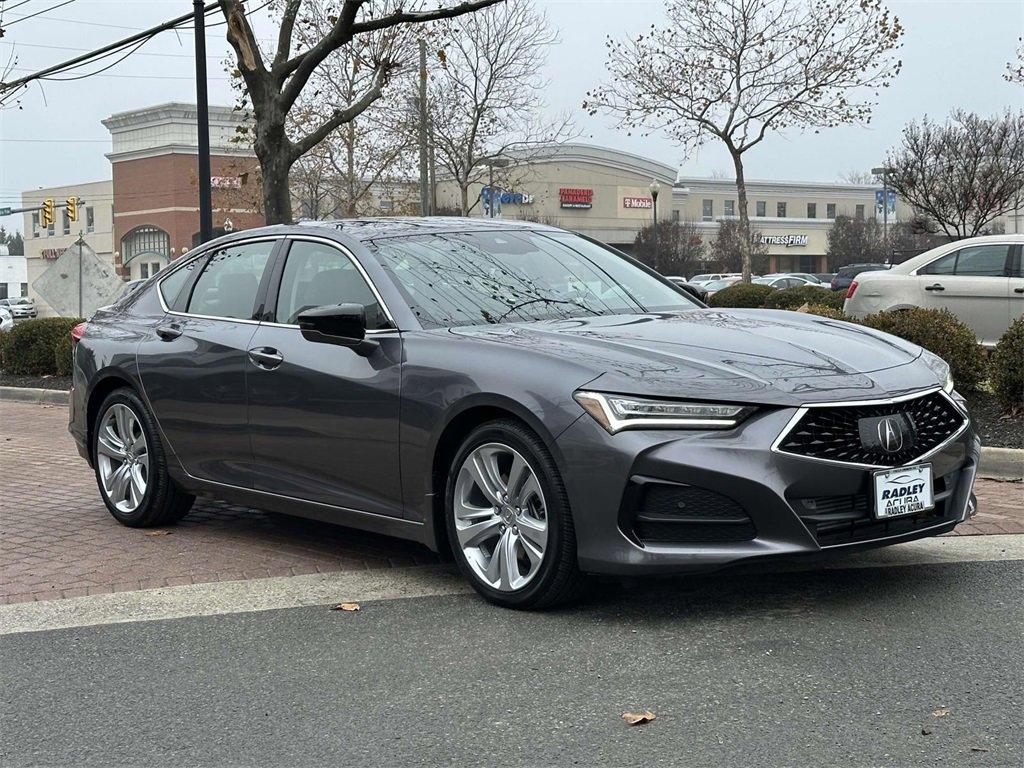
(602, 472)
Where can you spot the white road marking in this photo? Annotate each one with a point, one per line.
(228, 597)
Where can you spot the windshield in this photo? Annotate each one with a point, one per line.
(718, 285)
(473, 278)
(15, 302)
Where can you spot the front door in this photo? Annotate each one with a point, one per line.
(193, 367)
(323, 417)
(972, 283)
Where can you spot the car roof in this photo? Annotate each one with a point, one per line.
(395, 226)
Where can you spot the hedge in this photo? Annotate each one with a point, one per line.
(794, 298)
(31, 348)
(824, 310)
(745, 295)
(1007, 366)
(938, 331)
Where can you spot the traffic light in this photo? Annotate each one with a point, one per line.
(72, 203)
(48, 207)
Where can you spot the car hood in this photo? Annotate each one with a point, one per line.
(764, 356)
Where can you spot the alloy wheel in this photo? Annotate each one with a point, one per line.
(501, 519)
(122, 457)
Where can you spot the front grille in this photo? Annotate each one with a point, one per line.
(669, 513)
(837, 520)
(832, 432)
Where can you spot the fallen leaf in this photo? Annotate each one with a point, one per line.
(926, 731)
(161, 532)
(350, 607)
(638, 718)
(978, 749)
(941, 712)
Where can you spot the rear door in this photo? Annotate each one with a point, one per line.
(194, 367)
(973, 283)
(323, 417)
(1015, 305)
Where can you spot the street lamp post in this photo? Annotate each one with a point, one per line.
(655, 189)
(884, 173)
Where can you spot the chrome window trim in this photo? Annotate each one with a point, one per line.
(169, 272)
(803, 409)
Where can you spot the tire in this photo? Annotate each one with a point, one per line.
(504, 447)
(121, 473)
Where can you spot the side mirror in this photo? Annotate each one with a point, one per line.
(343, 324)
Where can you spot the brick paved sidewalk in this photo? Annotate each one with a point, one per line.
(57, 539)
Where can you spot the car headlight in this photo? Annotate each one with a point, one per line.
(941, 369)
(618, 412)
(948, 386)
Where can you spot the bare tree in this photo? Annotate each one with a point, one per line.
(962, 174)
(679, 247)
(275, 84)
(858, 177)
(736, 247)
(485, 98)
(1015, 69)
(373, 150)
(734, 70)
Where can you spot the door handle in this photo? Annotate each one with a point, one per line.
(168, 332)
(266, 358)
(1018, 290)
(935, 287)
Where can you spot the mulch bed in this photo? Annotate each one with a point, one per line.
(995, 428)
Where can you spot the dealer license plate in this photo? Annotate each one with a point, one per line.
(903, 491)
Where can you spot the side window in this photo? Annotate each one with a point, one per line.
(318, 275)
(945, 265)
(230, 280)
(171, 286)
(982, 261)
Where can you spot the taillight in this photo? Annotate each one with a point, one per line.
(853, 287)
(78, 332)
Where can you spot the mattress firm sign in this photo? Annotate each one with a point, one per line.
(575, 197)
(788, 241)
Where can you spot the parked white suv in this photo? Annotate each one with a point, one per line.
(978, 279)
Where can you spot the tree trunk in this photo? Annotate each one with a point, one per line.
(272, 150)
(464, 197)
(741, 194)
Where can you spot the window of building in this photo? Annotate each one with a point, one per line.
(708, 210)
(812, 210)
(830, 210)
(154, 267)
(143, 270)
(49, 230)
(730, 207)
(859, 212)
(65, 221)
(675, 214)
(227, 287)
(762, 208)
(3, 291)
(145, 241)
(24, 289)
(35, 224)
(780, 210)
(90, 220)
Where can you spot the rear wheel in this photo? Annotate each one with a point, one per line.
(131, 468)
(509, 521)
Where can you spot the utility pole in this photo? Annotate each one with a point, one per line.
(203, 124)
(424, 181)
(884, 173)
(432, 170)
(79, 273)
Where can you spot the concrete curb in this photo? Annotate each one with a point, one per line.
(997, 463)
(1002, 463)
(32, 395)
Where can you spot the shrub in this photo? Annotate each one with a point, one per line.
(745, 295)
(63, 352)
(1007, 367)
(794, 298)
(29, 349)
(938, 331)
(824, 310)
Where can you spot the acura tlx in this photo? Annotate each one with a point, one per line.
(538, 404)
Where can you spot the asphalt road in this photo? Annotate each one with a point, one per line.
(842, 667)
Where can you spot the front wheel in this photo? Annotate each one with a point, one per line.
(131, 468)
(509, 521)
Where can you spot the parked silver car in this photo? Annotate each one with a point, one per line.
(978, 279)
(6, 320)
(19, 307)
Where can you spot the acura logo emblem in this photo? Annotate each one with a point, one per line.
(890, 434)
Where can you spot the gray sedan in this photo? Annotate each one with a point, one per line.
(537, 404)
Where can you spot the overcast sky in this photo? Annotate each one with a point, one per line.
(954, 54)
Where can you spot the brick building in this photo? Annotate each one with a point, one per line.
(155, 183)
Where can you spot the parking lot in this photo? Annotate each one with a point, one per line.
(58, 541)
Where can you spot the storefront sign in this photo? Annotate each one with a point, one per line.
(225, 182)
(575, 197)
(787, 240)
(638, 202)
(516, 198)
(52, 253)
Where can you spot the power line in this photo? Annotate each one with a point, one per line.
(21, 18)
(86, 50)
(17, 5)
